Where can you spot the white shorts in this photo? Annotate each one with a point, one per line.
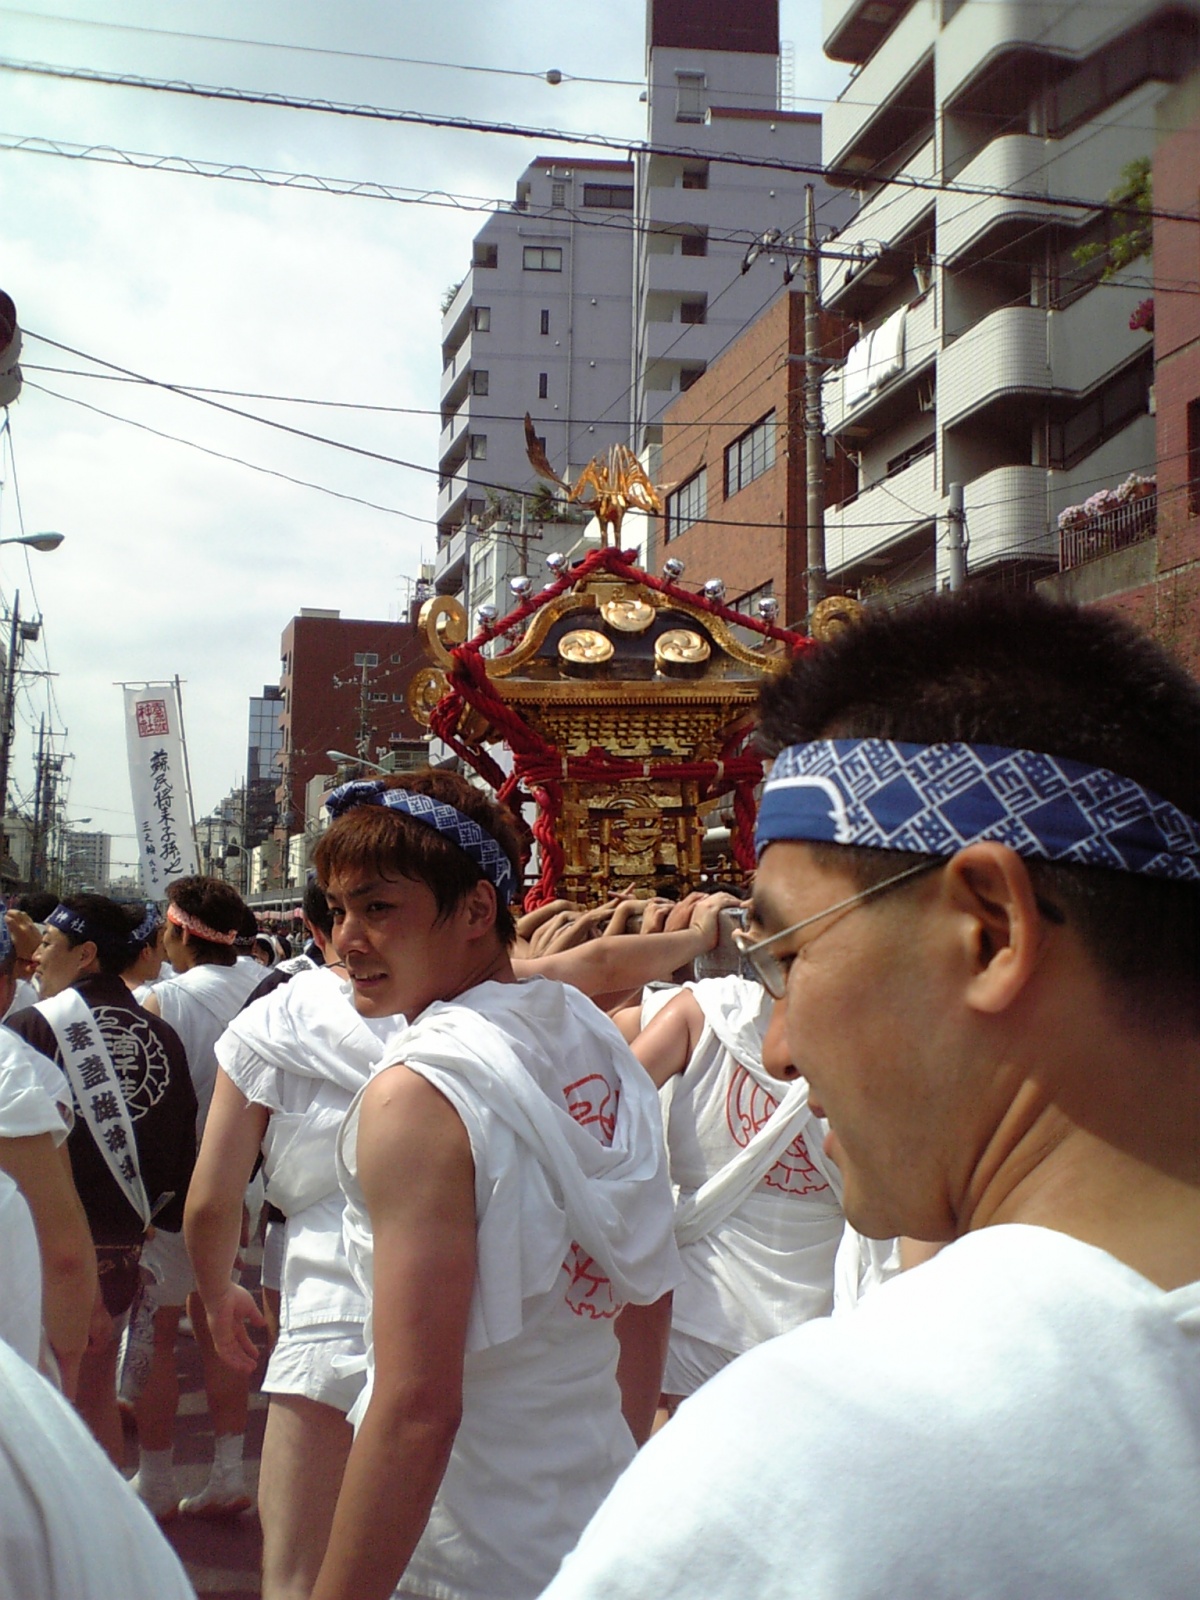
(166, 1258)
(309, 1362)
(691, 1362)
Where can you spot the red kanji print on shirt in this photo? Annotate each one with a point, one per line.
(592, 1101)
(747, 1107)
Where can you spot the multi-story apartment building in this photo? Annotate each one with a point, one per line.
(713, 89)
(540, 324)
(86, 858)
(983, 140)
(1138, 552)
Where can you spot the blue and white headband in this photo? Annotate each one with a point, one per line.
(6, 943)
(78, 926)
(933, 799)
(147, 927)
(461, 830)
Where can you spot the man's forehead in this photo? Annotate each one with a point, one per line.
(787, 875)
(359, 883)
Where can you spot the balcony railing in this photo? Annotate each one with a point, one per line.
(1107, 532)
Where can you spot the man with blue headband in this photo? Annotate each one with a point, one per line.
(978, 893)
(506, 1199)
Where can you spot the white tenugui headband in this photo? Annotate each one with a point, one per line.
(474, 841)
(933, 799)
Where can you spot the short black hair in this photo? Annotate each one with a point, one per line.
(988, 667)
(219, 906)
(315, 908)
(37, 904)
(109, 930)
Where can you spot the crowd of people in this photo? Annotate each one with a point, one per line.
(867, 1262)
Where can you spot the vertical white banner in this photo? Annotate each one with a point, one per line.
(162, 809)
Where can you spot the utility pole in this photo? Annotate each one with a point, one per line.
(37, 849)
(956, 537)
(814, 428)
(10, 691)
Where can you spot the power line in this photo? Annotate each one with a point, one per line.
(320, 50)
(223, 455)
(556, 136)
(442, 199)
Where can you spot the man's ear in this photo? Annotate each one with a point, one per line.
(88, 953)
(481, 907)
(1002, 933)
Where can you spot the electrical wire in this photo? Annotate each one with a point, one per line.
(318, 50)
(545, 135)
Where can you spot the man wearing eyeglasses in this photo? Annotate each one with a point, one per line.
(979, 893)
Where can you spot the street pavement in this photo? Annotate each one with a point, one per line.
(223, 1558)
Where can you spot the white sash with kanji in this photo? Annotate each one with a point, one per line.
(98, 1093)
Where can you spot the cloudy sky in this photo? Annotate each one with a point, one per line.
(176, 561)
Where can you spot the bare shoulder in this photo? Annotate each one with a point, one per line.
(665, 1044)
(411, 1141)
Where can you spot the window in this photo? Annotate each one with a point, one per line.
(558, 194)
(366, 658)
(397, 660)
(486, 255)
(695, 177)
(693, 311)
(688, 376)
(923, 447)
(478, 446)
(694, 244)
(688, 505)
(691, 97)
(1193, 449)
(750, 456)
(542, 258)
(398, 699)
(1100, 416)
(380, 699)
(543, 385)
(481, 319)
(610, 196)
(748, 603)
(544, 322)
(479, 382)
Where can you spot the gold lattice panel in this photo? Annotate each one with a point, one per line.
(693, 733)
(617, 836)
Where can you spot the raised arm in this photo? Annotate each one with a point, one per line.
(212, 1219)
(418, 1179)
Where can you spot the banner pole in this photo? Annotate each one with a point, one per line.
(187, 770)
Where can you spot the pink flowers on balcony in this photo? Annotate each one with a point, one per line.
(1142, 319)
(1136, 486)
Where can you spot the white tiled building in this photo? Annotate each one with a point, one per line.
(713, 88)
(540, 324)
(989, 356)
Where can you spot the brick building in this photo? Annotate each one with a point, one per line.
(1151, 572)
(733, 453)
(343, 683)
